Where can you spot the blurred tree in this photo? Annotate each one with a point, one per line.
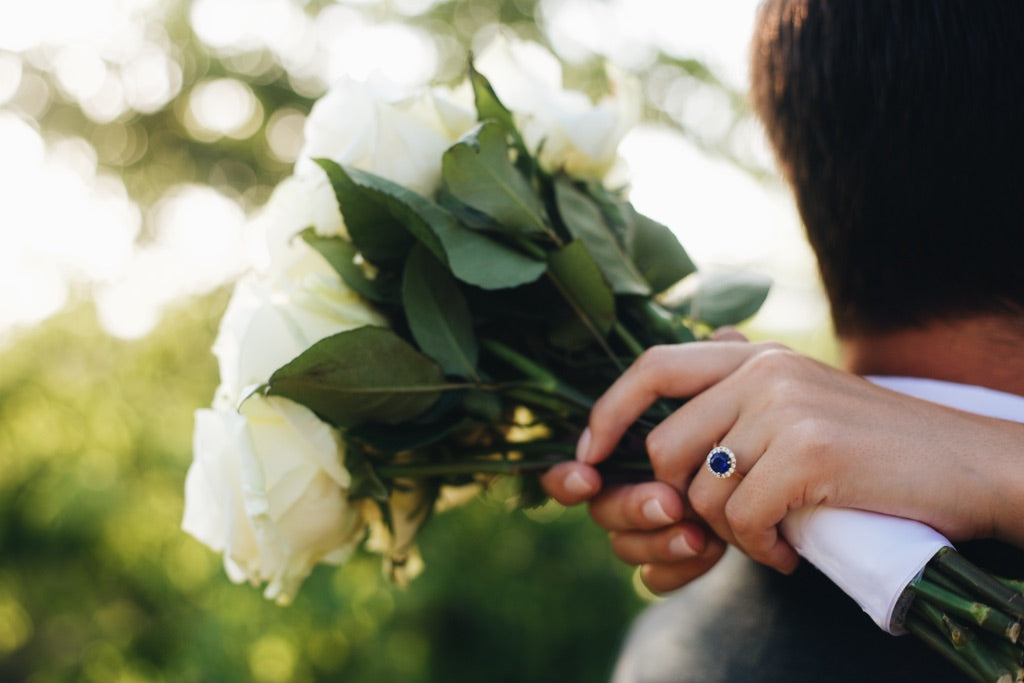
(97, 583)
(156, 142)
(151, 98)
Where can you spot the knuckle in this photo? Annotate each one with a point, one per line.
(772, 360)
(758, 555)
(784, 378)
(652, 360)
(658, 449)
(774, 346)
(739, 518)
(809, 435)
(701, 500)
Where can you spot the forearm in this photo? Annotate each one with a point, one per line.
(1000, 454)
(967, 477)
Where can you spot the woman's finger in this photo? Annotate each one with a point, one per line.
(662, 577)
(728, 333)
(679, 445)
(571, 482)
(637, 507)
(662, 371)
(683, 541)
(756, 508)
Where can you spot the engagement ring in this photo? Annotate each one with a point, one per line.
(721, 462)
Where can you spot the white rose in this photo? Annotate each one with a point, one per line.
(386, 131)
(274, 316)
(572, 132)
(267, 487)
(298, 202)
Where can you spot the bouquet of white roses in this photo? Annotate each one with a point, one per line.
(448, 287)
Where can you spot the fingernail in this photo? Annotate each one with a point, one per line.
(654, 512)
(577, 485)
(680, 547)
(583, 445)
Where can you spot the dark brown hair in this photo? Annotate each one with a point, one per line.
(900, 126)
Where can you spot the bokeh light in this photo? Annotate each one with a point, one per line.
(61, 222)
(10, 75)
(199, 241)
(223, 107)
(284, 134)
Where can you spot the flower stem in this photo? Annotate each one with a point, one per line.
(543, 379)
(973, 648)
(986, 617)
(525, 394)
(443, 469)
(627, 338)
(934, 637)
(979, 581)
(517, 360)
(497, 460)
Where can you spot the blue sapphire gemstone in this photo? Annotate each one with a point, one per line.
(721, 461)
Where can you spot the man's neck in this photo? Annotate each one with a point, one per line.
(986, 351)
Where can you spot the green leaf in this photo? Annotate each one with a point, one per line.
(479, 260)
(488, 106)
(368, 374)
(472, 257)
(388, 439)
(584, 220)
(579, 281)
(658, 253)
(341, 255)
(726, 297)
(617, 212)
(468, 216)
(478, 172)
(371, 222)
(438, 315)
(389, 202)
(483, 405)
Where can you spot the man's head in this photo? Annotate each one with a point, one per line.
(900, 126)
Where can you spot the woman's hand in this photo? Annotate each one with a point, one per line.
(649, 524)
(803, 434)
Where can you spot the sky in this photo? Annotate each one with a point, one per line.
(66, 226)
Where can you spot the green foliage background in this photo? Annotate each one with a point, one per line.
(98, 583)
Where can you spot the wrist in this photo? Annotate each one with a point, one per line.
(1008, 492)
(995, 458)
